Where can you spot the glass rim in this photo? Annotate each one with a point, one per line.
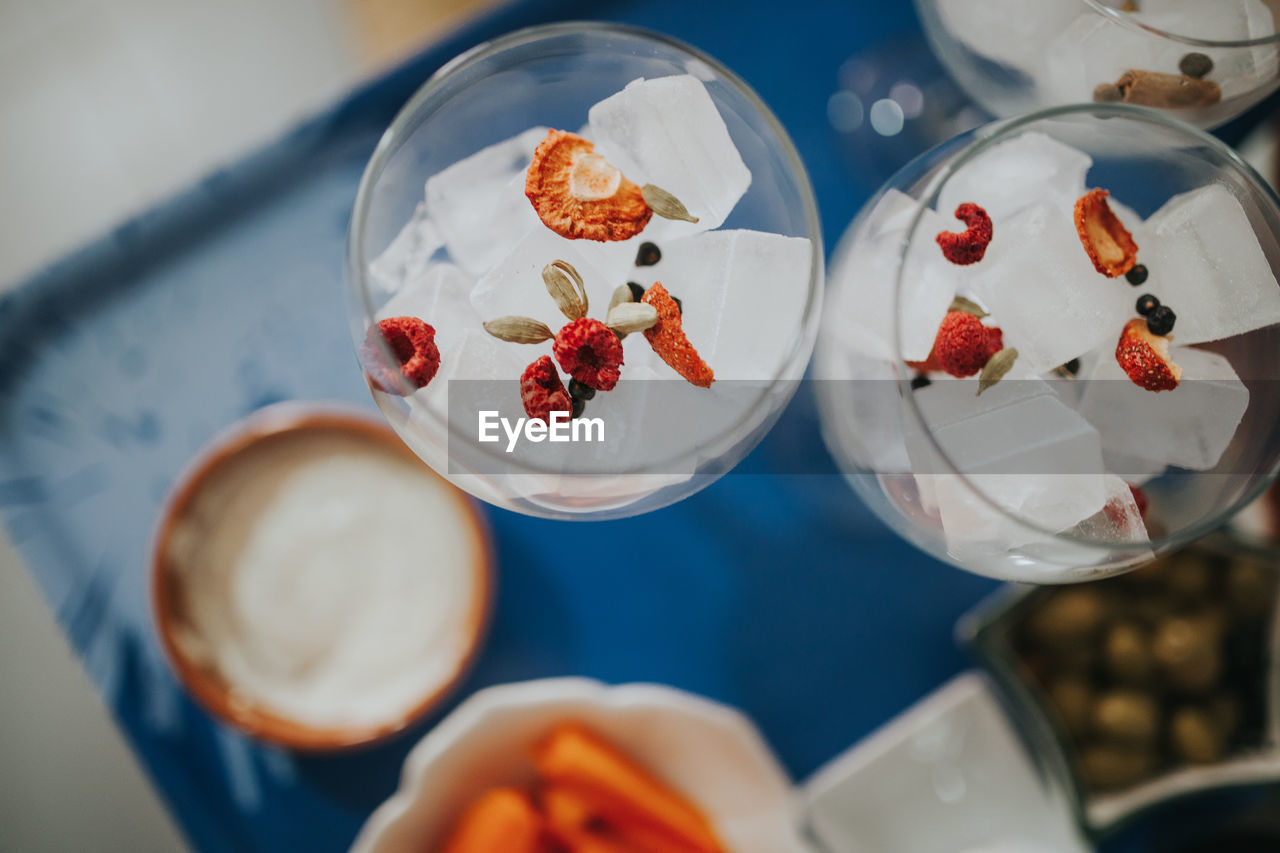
(1126, 19)
(984, 138)
(398, 132)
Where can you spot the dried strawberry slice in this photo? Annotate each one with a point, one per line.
(1108, 242)
(579, 195)
(542, 392)
(968, 246)
(668, 339)
(413, 344)
(590, 352)
(1144, 357)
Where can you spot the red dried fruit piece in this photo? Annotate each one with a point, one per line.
(590, 352)
(413, 344)
(542, 392)
(1116, 509)
(668, 339)
(968, 246)
(579, 195)
(1139, 498)
(1108, 242)
(930, 363)
(995, 340)
(1144, 357)
(961, 347)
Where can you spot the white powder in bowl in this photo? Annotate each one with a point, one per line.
(327, 578)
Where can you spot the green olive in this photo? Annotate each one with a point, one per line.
(1127, 654)
(1126, 716)
(1251, 588)
(1195, 736)
(1188, 654)
(1068, 617)
(1072, 697)
(1106, 766)
(1188, 577)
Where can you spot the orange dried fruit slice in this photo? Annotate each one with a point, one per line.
(1108, 242)
(580, 195)
(668, 339)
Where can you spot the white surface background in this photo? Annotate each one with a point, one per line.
(107, 106)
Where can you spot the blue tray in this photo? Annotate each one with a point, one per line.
(121, 361)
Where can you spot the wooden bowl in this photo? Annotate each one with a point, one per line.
(276, 426)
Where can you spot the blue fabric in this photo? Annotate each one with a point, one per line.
(778, 594)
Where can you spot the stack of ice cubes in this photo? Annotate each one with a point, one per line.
(474, 250)
(1058, 455)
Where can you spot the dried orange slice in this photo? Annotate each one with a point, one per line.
(1108, 242)
(580, 195)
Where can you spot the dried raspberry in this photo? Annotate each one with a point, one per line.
(412, 342)
(995, 340)
(967, 247)
(590, 352)
(1139, 498)
(542, 391)
(1144, 357)
(961, 346)
(578, 195)
(668, 339)
(1108, 242)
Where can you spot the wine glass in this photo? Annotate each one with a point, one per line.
(478, 248)
(1064, 468)
(1204, 62)
(1000, 58)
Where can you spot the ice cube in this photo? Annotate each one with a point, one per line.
(744, 294)
(1009, 31)
(408, 255)
(668, 132)
(865, 281)
(1043, 291)
(514, 285)
(865, 392)
(478, 204)
(1119, 520)
(1022, 447)
(1189, 427)
(1011, 176)
(1237, 70)
(1206, 264)
(1095, 49)
(442, 297)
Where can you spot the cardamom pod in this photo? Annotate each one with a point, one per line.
(968, 306)
(519, 330)
(665, 204)
(995, 368)
(629, 317)
(566, 288)
(621, 296)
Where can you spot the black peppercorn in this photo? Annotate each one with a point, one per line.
(648, 255)
(1195, 65)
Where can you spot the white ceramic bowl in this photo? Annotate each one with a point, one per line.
(710, 753)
